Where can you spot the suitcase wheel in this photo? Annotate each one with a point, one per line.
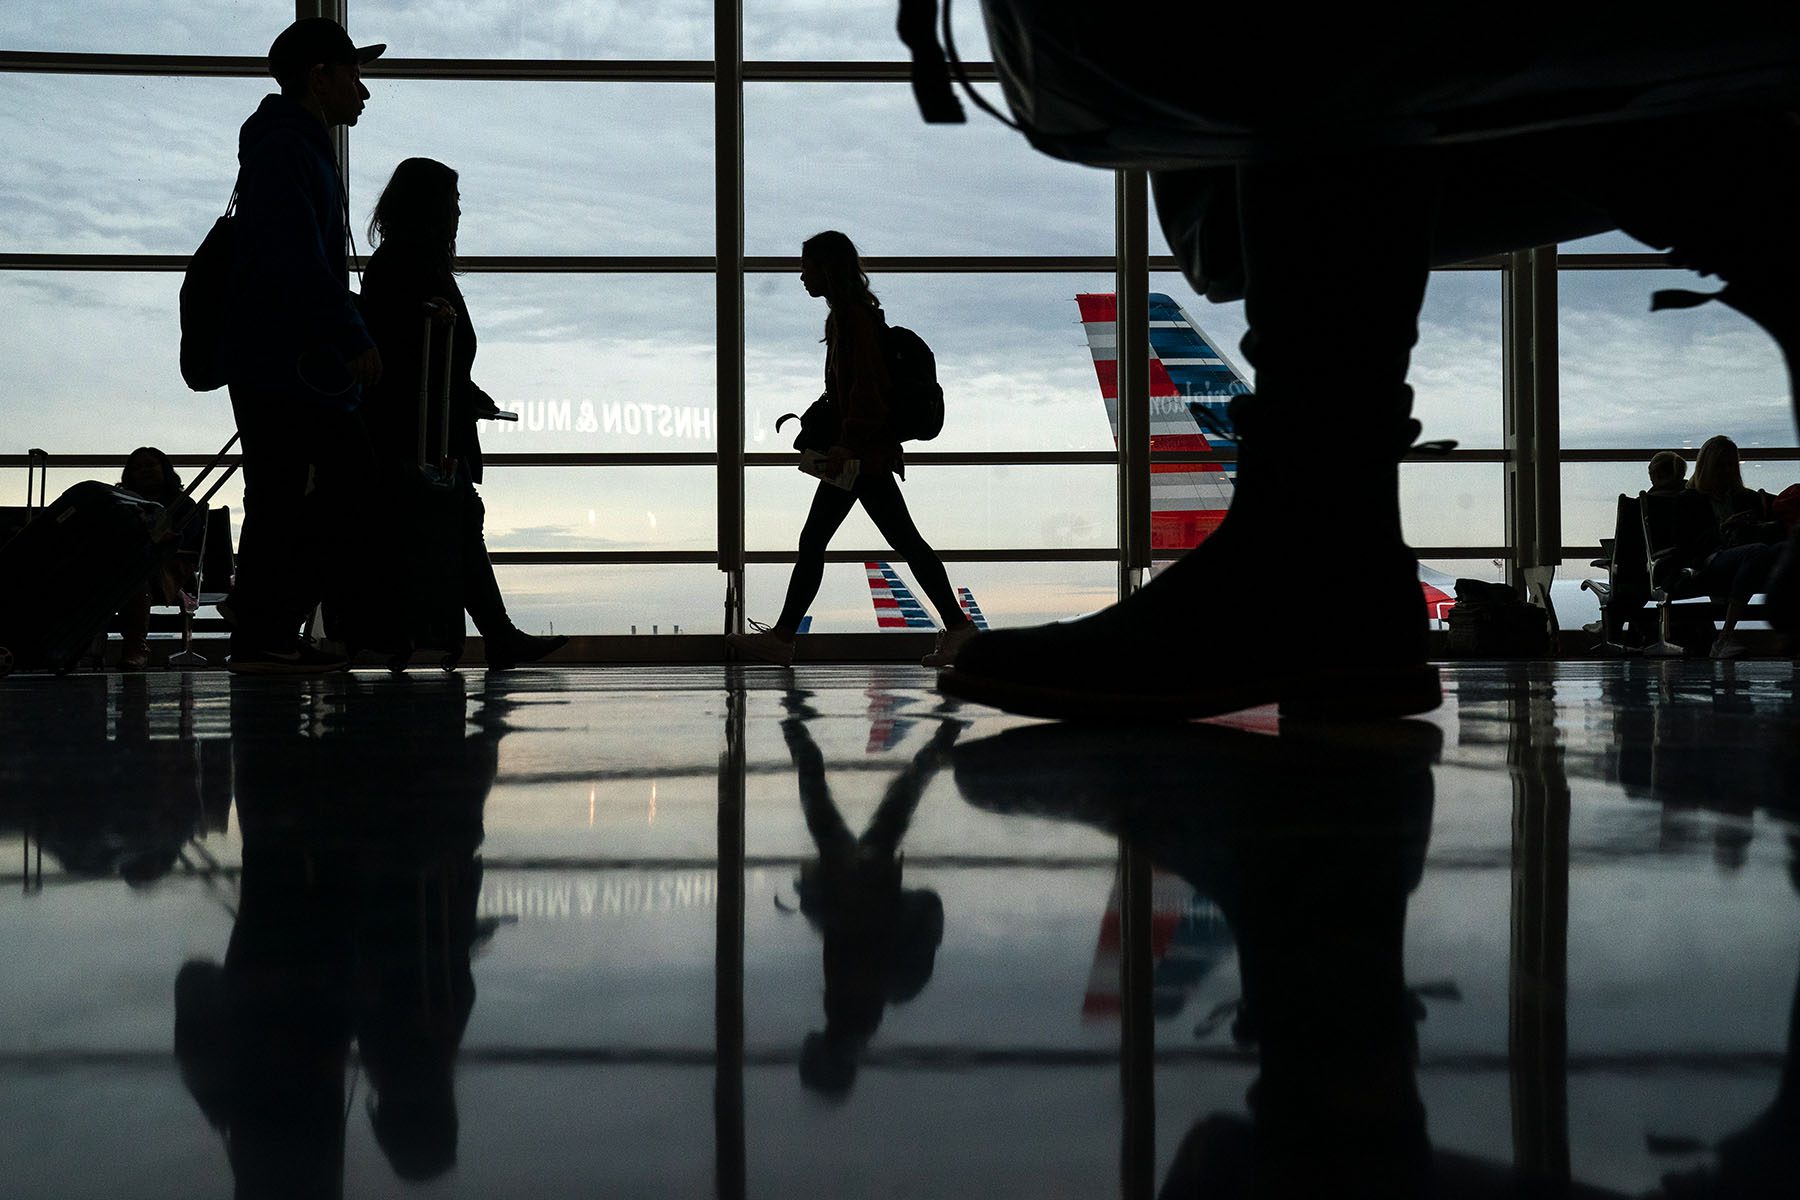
(451, 661)
(397, 663)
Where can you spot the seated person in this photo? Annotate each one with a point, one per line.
(1667, 472)
(1743, 515)
(1726, 537)
(148, 473)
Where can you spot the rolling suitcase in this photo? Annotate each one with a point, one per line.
(429, 504)
(77, 561)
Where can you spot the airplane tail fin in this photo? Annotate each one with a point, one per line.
(971, 609)
(1192, 384)
(895, 605)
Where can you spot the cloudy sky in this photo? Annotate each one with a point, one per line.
(141, 165)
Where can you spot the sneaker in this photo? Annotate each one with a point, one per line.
(949, 644)
(299, 659)
(135, 657)
(764, 644)
(1728, 647)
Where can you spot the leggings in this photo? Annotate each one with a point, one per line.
(1738, 572)
(879, 493)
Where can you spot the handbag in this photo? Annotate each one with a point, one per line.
(818, 427)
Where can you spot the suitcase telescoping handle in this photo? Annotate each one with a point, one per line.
(176, 516)
(443, 441)
(37, 467)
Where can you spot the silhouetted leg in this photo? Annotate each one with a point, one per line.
(830, 506)
(134, 632)
(276, 473)
(481, 591)
(1336, 256)
(881, 499)
(901, 799)
(823, 821)
(344, 558)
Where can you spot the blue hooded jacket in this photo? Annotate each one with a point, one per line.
(293, 323)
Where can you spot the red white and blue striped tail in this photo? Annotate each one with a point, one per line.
(1192, 384)
(895, 605)
(1191, 381)
(971, 609)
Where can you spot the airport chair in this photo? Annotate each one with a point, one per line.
(214, 563)
(1670, 581)
(1627, 587)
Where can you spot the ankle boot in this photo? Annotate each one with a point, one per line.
(1213, 632)
(514, 646)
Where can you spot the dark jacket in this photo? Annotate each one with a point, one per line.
(1744, 519)
(400, 278)
(293, 324)
(1695, 529)
(857, 384)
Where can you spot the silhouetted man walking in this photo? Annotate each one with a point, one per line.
(297, 353)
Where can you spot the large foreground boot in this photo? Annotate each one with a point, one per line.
(1221, 629)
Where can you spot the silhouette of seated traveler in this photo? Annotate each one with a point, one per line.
(1310, 844)
(880, 938)
(355, 921)
(1723, 534)
(149, 473)
(1318, 178)
(1627, 588)
(1667, 471)
(412, 272)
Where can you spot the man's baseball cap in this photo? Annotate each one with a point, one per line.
(313, 40)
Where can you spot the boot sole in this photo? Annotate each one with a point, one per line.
(1342, 695)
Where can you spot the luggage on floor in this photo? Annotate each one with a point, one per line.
(77, 561)
(1489, 620)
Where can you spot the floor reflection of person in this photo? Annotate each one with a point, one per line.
(103, 797)
(1311, 848)
(880, 938)
(355, 922)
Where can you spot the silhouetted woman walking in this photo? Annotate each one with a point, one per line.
(857, 388)
(412, 271)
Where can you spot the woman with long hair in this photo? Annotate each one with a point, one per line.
(413, 272)
(857, 390)
(1734, 554)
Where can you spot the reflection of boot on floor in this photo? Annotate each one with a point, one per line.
(1310, 845)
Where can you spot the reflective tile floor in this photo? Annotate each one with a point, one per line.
(751, 932)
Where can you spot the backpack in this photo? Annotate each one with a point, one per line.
(205, 298)
(916, 405)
